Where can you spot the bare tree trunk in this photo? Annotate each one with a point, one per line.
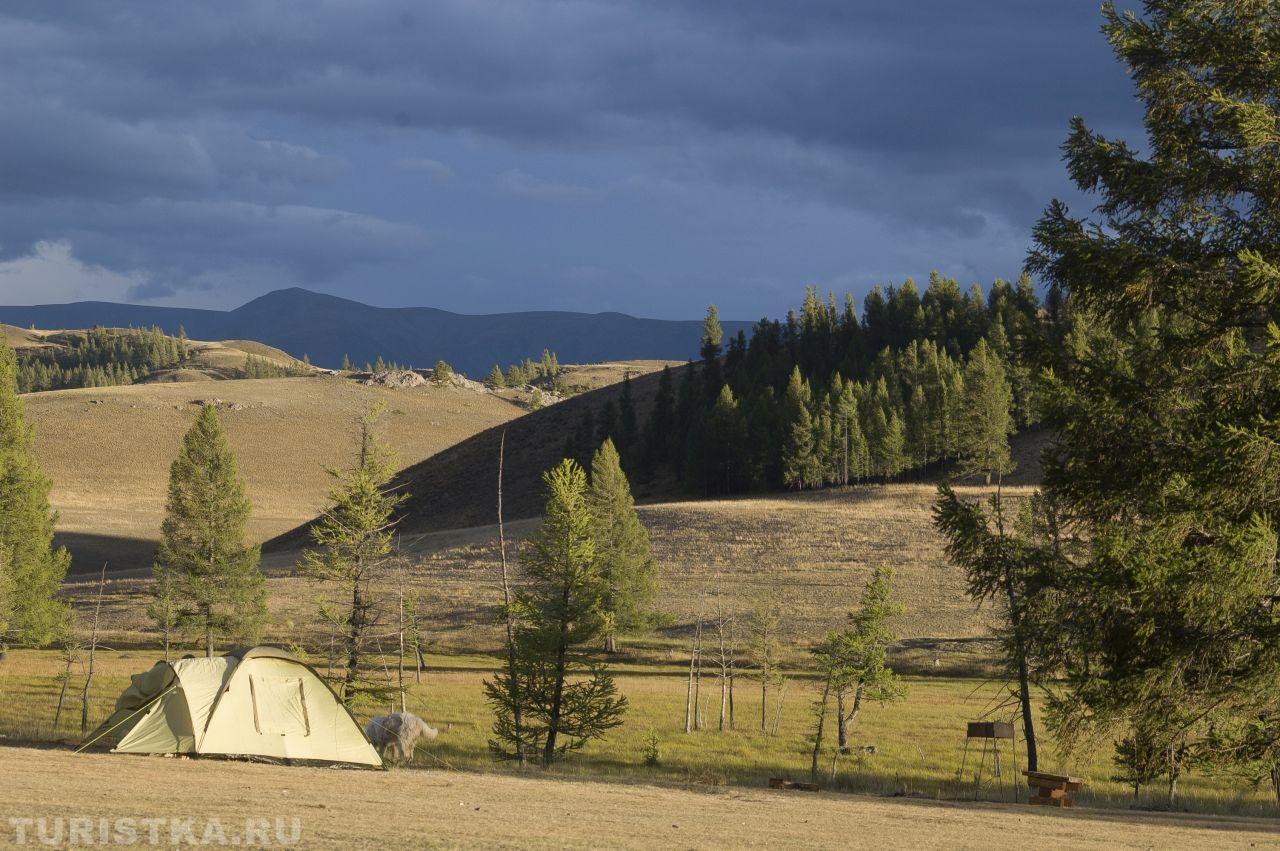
(513, 685)
(354, 632)
(93, 652)
(764, 701)
(817, 735)
(400, 636)
(731, 675)
(777, 716)
(697, 682)
(70, 651)
(688, 695)
(841, 740)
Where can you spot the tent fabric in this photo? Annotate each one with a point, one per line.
(143, 688)
(258, 701)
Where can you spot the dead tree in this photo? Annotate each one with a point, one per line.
(724, 623)
(513, 669)
(93, 652)
(765, 625)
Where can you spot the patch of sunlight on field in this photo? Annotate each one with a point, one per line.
(919, 742)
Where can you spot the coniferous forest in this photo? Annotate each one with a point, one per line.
(100, 357)
(833, 394)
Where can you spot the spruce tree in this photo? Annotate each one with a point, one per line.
(1165, 403)
(214, 573)
(566, 700)
(624, 559)
(496, 379)
(31, 570)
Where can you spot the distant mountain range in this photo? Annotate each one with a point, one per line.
(326, 327)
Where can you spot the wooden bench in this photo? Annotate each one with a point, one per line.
(1052, 790)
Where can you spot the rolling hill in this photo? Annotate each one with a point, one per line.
(108, 449)
(326, 328)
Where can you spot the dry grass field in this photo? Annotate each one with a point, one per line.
(811, 551)
(438, 808)
(593, 376)
(108, 449)
(919, 743)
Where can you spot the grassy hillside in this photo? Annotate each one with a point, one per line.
(108, 450)
(812, 551)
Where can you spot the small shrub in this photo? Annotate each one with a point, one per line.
(652, 754)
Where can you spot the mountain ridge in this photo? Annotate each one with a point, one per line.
(327, 327)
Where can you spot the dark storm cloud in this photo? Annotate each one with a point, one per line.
(188, 144)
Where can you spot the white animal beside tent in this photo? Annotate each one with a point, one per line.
(256, 701)
(399, 731)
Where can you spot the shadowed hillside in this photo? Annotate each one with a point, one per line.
(458, 487)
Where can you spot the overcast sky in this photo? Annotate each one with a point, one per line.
(647, 157)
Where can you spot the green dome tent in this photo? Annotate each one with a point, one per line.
(255, 701)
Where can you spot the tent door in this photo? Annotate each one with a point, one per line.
(279, 706)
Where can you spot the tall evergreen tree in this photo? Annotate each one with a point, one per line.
(30, 568)
(725, 455)
(214, 573)
(710, 351)
(800, 464)
(1167, 412)
(624, 560)
(660, 425)
(566, 700)
(987, 423)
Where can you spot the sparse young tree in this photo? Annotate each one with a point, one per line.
(1012, 571)
(353, 540)
(565, 700)
(624, 559)
(764, 628)
(31, 570)
(214, 573)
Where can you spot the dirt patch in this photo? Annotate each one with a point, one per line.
(400, 808)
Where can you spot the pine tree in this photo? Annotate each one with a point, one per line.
(496, 379)
(660, 425)
(566, 700)
(346, 364)
(441, 372)
(1165, 405)
(983, 433)
(725, 455)
(353, 539)
(624, 559)
(214, 572)
(800, 465)
(30, 569)
(710, 351)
